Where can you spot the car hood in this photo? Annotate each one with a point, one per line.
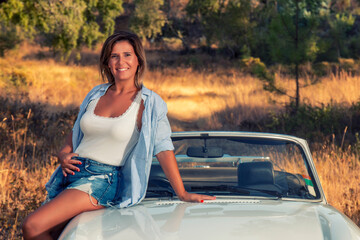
(219, 219)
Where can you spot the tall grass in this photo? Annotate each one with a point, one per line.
(39, 99)
(338, 171)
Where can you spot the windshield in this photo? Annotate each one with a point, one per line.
(254, 167)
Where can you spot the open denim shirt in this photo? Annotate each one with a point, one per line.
(154, 138)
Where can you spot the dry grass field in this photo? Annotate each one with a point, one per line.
(38, 100)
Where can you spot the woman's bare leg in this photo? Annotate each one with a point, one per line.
(65, 206)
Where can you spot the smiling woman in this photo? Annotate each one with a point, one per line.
(121, 124)
(112, 49)
(123, 62)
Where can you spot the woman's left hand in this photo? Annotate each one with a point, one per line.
(193, 197)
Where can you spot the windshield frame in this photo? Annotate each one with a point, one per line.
(257, 138)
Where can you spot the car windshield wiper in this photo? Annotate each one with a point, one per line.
(273, 193)
(220, 188)
(236, 189)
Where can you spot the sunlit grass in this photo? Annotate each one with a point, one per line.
(47, 81)
(339, 177)
(191, 95)
(341, 88)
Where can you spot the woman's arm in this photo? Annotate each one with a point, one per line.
(64, 156)
(168, 163)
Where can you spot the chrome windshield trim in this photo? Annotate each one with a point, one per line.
(274, 136)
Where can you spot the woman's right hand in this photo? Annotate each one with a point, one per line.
(68, 164)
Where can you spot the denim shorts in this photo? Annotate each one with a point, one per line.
(101, 181)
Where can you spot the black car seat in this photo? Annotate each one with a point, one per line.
(255, 173)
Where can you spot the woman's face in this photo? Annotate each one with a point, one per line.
(123, 61)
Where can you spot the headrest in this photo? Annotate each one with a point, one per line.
(255, 173)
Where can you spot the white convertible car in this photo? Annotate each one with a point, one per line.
(266, 187)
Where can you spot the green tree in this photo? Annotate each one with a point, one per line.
(340, 25)
(339, 22)
(63, 25)
(19, 15)
(8, 38)
(148, 18)
(227, 24)
(292, 35)
(263, 13)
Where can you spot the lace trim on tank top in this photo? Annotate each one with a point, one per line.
(132, 105)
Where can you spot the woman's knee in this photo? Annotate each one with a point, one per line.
(31, 227)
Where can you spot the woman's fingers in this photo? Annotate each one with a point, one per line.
(200, 198)
(69, 171)
(76, 162)
(68, 164)
(193, 197)
(71, 168)
(207, 197)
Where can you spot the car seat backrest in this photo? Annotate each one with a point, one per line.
(255, 173)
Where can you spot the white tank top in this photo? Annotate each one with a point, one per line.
(109, 139)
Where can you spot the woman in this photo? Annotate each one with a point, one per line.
(106, 159)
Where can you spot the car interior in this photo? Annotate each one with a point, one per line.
(205, 166)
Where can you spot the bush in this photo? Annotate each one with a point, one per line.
(319, 124)
(8, 39)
